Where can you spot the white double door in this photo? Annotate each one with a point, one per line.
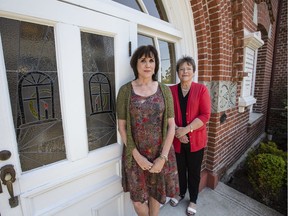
(86, 182)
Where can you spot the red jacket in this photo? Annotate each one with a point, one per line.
(198, 106)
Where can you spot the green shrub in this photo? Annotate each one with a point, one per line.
(271, 148)
(266, 173)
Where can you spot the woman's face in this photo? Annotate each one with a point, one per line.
(146, 66)
(185, 72)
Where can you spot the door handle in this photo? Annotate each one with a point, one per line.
(5, 155)
(7, 175)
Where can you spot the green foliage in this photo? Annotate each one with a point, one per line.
(271, 148)
(268, 148)
(266, 173)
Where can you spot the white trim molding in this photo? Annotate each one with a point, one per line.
(252, 41)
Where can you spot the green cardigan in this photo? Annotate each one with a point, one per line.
(123, 112)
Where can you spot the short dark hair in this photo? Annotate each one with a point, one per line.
(147, 51)
(188, 59)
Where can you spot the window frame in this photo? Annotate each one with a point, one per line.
(177, 31)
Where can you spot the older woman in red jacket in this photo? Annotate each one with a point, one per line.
(192, 108)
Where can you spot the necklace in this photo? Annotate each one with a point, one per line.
(185, 89)
(185, 92)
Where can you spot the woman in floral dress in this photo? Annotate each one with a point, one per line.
(146, 124)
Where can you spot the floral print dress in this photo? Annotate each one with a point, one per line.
(146, 123)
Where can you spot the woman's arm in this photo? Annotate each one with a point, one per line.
(122, 130)
(202, 118)
(160, 161)
(169, 138)
(182, 131)
(140, 159)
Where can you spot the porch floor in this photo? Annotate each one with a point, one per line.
(222, 201)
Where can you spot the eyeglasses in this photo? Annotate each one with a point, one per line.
(185, 69)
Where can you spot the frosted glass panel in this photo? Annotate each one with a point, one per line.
(99, 87)
(30, 60)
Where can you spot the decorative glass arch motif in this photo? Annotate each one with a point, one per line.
(40, 98)
(101, 125)
(100, 94)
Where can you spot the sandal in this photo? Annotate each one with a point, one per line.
(191, 209)
(175, 201)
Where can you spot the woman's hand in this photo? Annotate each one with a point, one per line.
(157, 165)
(184, 139)
(181, 131)
(143, 162)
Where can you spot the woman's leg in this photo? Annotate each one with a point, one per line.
(194, 170)
(141, 208)
(154, 207)
(182, 170)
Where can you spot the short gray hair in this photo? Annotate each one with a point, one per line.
(188, 59)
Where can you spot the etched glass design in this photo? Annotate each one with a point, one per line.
(99, 88)
(168, 62)
(30, 60)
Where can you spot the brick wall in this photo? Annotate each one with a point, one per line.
(219, 27)
(203, 40)
(278, 91)
(262, 16)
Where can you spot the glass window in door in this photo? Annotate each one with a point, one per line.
(99, 88)
(30, 61)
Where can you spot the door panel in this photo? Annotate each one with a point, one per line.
(83, 182)
(86, 190)
(30, 60)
